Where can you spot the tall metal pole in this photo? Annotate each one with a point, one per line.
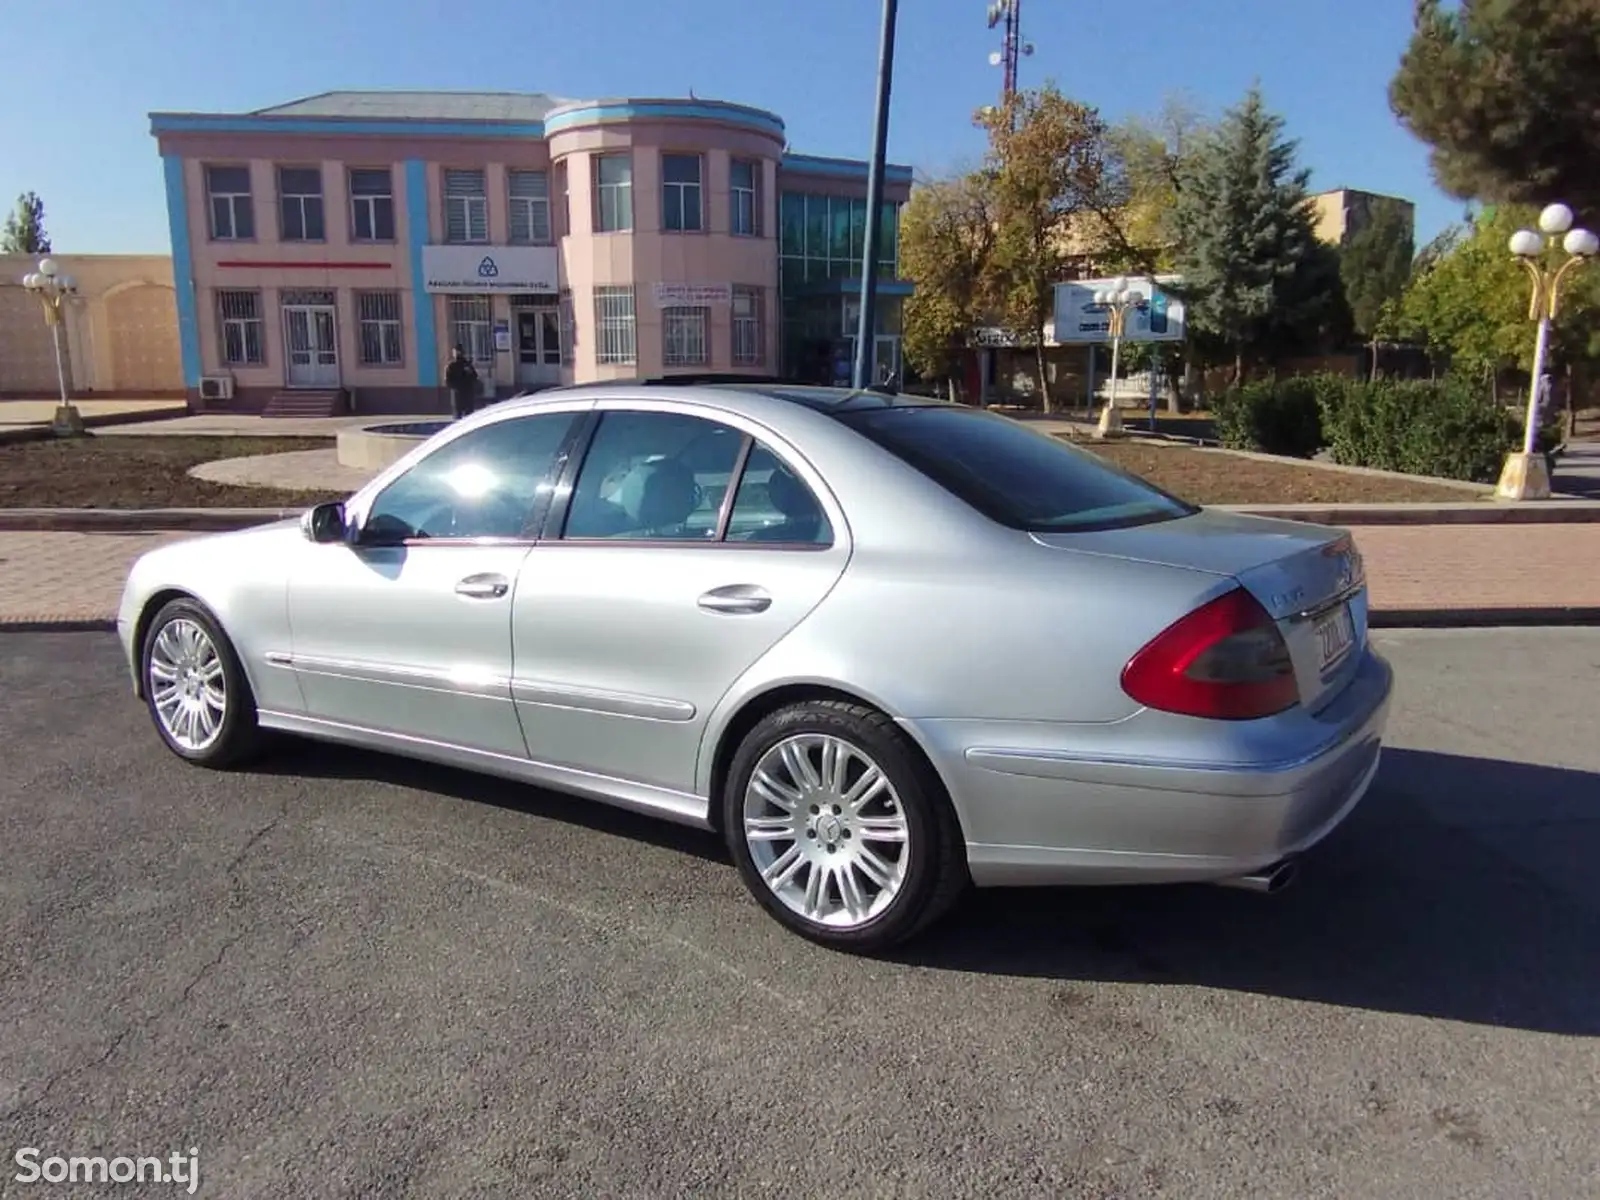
(867, 322)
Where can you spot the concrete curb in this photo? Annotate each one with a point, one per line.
(43, 433)
(139, 520)
(62, 625)
(1483, 618)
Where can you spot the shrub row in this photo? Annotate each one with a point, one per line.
(1446, 428)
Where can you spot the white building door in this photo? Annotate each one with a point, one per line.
(538, 346)
(311, 345)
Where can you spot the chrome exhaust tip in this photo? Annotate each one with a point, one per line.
(1268, 880)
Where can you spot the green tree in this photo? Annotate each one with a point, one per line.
(947, 235)
(23, 232)
(1256, 279)
(1149, 155)
(1052, 178)
(1468, 301)
(1504, 93)
(1375, 262)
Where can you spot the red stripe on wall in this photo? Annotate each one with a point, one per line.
(308, 266)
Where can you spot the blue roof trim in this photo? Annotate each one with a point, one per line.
(371, 126)
(851, 168)
(591, 113)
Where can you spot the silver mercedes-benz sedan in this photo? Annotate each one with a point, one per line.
(887, 647)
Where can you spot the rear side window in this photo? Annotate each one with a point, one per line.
(1013, 475)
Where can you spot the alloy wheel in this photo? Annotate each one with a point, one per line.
(188, 689)
(826, 830)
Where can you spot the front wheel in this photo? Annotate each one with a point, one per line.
(195, 688)
(839, 829)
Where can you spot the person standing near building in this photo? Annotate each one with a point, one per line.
(461, 377)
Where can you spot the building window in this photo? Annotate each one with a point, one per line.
(378, 315)
(372, 205)
(569, 328)
(233, 217)
(613, 192)
(683, 337)
(466, 207)
(239, 318)
(300, 204)
(744, 214)
(824, 237)
(471, 327)
(530, 207)
(748, 342)
(566, 202)
(614, 325)
(680, 193)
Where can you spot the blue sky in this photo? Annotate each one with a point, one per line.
(76, 129)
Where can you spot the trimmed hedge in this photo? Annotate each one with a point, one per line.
(1273, 416)
(1447, 428)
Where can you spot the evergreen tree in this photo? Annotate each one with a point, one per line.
(23, 232)
(1255, 277)
(1504, 92)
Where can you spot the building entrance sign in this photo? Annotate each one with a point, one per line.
(490, 268)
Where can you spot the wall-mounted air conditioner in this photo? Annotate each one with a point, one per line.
(216, 387)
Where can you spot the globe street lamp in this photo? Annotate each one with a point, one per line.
(1117, 299)
(1526, 476)
(53, 289)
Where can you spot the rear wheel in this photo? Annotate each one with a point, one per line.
(195, 688)
(839, 829)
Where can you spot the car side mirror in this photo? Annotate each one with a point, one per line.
(325, 523)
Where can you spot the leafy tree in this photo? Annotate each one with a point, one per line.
(1504, 93)
(1256, 279)
(23, 232)
(1375, 262)
(1149, 155)
(1051, 176)
(1468, 301)
(947, 235)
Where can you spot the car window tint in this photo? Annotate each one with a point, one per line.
(1011, 473)
(774, 505)
(653, 476)
(482, 484)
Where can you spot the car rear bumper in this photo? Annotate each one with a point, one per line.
(1037, 814)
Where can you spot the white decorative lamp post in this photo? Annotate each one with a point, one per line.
(1525, 476)
(53, 289)
(1117, 299)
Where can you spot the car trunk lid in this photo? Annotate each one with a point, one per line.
(1309, 578)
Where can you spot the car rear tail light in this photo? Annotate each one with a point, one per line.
(1226, 660)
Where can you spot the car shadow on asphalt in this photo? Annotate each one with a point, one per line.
(328, 760)
(1461, 888)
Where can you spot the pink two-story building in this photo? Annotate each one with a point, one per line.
(340, 246)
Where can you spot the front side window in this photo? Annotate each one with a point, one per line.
(680, 193)
(466, 206)
(484, 484)
(1011, 474)
(371, 205)
(683, 337)
(743, 213)
(530, 207)
(613, 193)
(471, 326)
(300, 204)
(228, 199)
(651, 476)
(239, 320)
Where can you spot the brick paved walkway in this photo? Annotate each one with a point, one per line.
(78, 576)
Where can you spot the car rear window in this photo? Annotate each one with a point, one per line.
(1012, 474)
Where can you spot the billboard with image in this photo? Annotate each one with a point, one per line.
(1080, 320)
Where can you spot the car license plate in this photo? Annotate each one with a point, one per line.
(1335, 634)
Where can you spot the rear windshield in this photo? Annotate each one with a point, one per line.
(1013, 475)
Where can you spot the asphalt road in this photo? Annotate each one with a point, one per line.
(351, 976)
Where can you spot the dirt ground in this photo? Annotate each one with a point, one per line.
(152, 472)
(140, 472)
(1213, 477)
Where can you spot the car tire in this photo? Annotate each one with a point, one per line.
(801, 805)
(210, 719)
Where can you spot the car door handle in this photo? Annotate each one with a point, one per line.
(483, 587)
(736, 598)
